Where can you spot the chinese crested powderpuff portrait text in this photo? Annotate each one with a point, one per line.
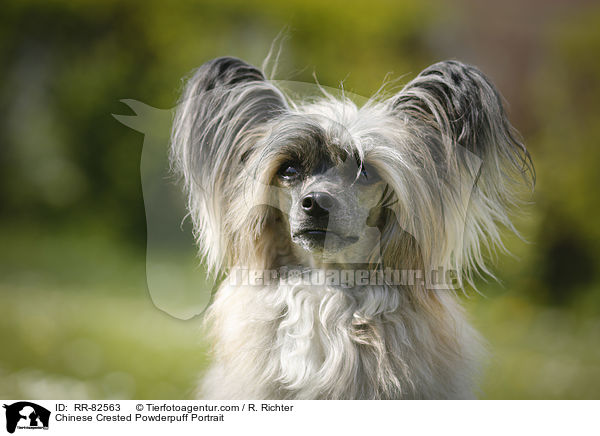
(420, 180)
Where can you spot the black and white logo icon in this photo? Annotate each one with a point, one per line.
(26, 415)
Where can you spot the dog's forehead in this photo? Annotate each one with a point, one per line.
(314, 146)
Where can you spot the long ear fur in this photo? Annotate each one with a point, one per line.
(459, 115)
(221, 114)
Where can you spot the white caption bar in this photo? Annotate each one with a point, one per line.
(22, 417)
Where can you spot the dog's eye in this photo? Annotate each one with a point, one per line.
(363, 172)
(288, 171)
(368, 174)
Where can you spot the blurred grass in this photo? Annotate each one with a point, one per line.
(84, 326)
(537, 352)
(80, 345)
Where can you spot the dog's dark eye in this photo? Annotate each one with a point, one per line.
(368, 174)
(363, 172)
(288, 171)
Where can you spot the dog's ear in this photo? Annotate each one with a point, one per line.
(459, 117)
(465, 109)
(222, 113)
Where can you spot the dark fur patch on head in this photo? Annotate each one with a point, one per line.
(304, 141)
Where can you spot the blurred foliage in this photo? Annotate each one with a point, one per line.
(567, 93)
(76, 320)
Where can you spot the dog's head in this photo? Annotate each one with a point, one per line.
(428, 173)
(329, 196)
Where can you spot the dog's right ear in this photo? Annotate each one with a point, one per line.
(222, 113)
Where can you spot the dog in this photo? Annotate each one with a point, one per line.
(418, 180)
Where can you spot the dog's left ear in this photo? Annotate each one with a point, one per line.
(464, 108)
(461, 122)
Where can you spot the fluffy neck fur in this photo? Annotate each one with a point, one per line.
(319, 342)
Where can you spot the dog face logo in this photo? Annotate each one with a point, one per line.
(26, 415)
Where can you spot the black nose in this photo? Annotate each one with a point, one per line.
(317, 204)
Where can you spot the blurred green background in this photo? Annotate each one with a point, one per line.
(76, 320)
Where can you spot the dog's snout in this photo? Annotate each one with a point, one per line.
(317, 204)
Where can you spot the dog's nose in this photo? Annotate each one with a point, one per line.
(317, 204)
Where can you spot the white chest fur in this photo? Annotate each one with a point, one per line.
(320, 342)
